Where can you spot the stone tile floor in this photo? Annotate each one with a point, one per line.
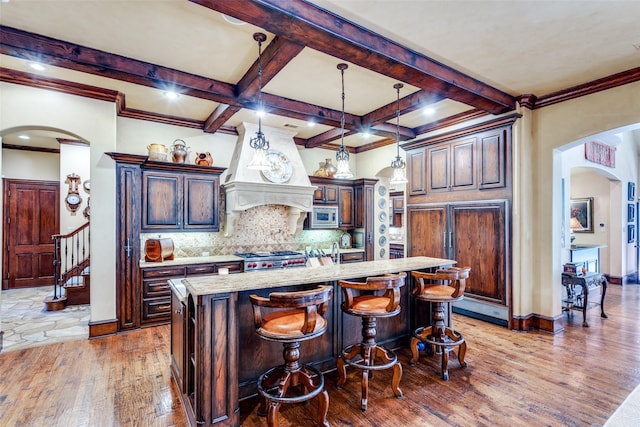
(26, 323)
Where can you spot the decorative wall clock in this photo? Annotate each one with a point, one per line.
(73, 199)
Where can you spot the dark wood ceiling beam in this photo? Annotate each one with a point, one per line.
(219, 117)
(34, 47)
(388, 130)
(304, 111)
(326, 137)
(333, 35)
(408, 104)
(275, 57)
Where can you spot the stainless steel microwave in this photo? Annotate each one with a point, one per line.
(324, 217)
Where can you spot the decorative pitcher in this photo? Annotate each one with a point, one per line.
(330, 168)
(204, 159)
(179, 151)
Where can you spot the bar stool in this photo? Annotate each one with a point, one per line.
(297, 316)
(369, 306)
(442, 287)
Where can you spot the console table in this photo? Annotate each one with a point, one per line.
(580, 301)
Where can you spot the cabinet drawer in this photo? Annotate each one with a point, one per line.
(150, 273)
(156, 309)
(193, 270)
(352, 257)
(234, 267)
(155, 288)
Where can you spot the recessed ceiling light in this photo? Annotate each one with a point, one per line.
(429, 111)
(37, 66)
(260, 113)
(311, 123)
(232, 20)
(24, 136)
(366, 134)
(171, 94)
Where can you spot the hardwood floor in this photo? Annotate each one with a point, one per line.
(575, 378)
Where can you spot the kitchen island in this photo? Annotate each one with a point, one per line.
(216, 354)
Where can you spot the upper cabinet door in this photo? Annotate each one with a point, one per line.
(200, 202)
(161, 201)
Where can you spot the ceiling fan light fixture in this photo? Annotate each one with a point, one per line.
(259, 143)
(398, 165)
(342, 156)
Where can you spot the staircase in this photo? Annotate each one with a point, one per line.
(71, 262)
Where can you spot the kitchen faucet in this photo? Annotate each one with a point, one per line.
(335, 253)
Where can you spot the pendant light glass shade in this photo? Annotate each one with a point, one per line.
(342, 156)
(259, 143)
(398, 165)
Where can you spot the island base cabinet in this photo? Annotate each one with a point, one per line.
(210, 378)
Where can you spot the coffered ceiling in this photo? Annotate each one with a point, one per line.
(463, 59)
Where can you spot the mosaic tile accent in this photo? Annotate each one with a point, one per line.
(262, 228)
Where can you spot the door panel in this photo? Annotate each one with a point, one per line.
(427, 231)
(479, 242)
(32, 209)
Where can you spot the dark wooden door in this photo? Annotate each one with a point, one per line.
(427, 231)
(200, 202)
(162, 201)
(478, 241)
(32, 212)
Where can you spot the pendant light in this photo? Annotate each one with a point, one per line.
(342, 156)
(259, 143)
(398, 165)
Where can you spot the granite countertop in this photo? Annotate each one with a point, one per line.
(217, 284)
(191, 260)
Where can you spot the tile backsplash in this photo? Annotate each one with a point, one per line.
(258, 229)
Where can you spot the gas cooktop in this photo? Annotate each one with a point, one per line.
(271, 260)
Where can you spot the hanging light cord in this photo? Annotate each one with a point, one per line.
(342, 118)
(259, 142)
(398, 86)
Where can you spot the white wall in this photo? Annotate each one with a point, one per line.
(73, 159)
(94, 122)
(21, 164)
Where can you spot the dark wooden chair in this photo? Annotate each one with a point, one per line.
(377, 297)
(440, 288)
(297, 316)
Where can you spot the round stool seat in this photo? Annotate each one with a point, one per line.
(371, 305)
(288, 326)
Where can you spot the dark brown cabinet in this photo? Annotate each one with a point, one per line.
(180, 201)
(187, 198)
(397, 208)
(156, 292)
(458, 207)
(364, 210)
(396, 250)
(459, 164)
(346, 207)
(346, 258)
(178, 335)
(473, 234)
(325, 194)
(451, 166)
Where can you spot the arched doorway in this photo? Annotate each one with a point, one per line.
(34, 169)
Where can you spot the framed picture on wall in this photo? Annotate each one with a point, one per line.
(631, 233)
(631, 212)
(581, 215)
(631, 191)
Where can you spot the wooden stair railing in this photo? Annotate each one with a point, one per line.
(71, 258)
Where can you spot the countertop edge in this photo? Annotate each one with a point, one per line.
(230, 283)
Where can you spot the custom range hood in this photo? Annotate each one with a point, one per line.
(286, 183)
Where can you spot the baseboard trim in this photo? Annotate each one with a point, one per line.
(103, 328)
(614, 280)
(537, 322)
